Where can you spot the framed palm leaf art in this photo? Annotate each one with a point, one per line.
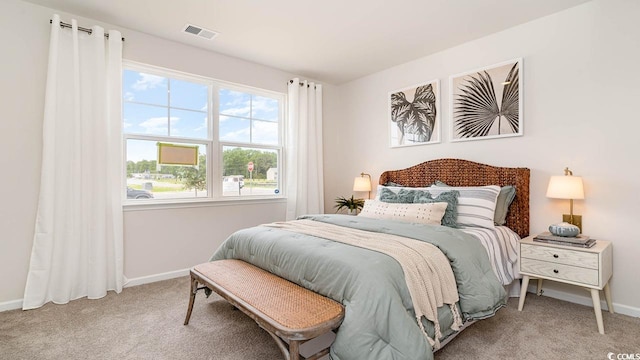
(487, 103)
(415, 115)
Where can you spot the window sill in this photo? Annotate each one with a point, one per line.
(143, 205)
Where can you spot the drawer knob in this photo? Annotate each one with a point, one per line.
(555, 256)
(555, 271)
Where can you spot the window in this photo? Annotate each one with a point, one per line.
(192, 137)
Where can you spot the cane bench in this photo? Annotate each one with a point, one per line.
(291, 314)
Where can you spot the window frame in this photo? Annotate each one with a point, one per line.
(214, 145)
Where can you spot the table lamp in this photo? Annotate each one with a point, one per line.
(567, 187)
(362, 183)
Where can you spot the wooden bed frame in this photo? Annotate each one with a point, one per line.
(457, 172)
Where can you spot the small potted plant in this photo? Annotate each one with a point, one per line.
(352, 205)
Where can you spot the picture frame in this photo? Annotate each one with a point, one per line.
(487, 103)
(414, 115)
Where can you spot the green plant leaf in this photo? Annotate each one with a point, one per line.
(348, 203)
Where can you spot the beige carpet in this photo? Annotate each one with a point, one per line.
(145, 322)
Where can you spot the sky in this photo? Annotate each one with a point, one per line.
(150, 109)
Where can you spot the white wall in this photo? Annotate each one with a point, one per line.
(156, 241)
(581, 90)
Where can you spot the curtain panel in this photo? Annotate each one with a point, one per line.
(305, 186)
(78, 240)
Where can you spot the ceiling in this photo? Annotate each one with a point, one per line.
(333, 41)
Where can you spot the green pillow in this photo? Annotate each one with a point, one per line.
(450, 197)
(504, 200)
(401, 197)
(391, 183)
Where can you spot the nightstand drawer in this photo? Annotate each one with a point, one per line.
(560, 256)
(559, 271)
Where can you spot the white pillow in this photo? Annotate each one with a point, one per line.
(422, 213)
(476, 204)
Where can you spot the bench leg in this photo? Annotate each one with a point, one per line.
(294, 350)
(318, 355)
(282, 346)
(192, 298)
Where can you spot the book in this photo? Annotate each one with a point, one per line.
(580, 239)
(589, 243)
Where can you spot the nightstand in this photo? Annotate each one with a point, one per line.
(589, 268)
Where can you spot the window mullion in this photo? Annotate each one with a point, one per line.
(166, 139)
(251, 119)
(169, 107)
(214, 184)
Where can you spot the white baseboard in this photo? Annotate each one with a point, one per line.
(560, 295)
(584, 300)
(17, 304)
(154, 278)
(11, 305)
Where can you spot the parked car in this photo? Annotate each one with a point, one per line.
(138, 194)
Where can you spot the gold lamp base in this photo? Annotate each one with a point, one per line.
(577, 220)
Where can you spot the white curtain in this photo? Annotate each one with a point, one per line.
(305, 189)
(77, 245)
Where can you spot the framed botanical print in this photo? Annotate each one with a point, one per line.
(414, 115)
(487, 103)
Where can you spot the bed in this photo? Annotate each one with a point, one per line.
(380, 315)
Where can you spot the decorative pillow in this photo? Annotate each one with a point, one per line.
(476, 205)
(505, 198)
(403, 196)
(396, 189)
(450, 197)
(430, 213)
(391, 183)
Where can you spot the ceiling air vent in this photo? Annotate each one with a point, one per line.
(200, 32)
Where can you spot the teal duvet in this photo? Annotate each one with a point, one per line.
(379, 321)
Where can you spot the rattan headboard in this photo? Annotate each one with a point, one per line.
(456, 172)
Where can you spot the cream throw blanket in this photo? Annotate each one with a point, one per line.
(426, 269)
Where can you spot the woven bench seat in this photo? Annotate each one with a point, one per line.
(291, 314)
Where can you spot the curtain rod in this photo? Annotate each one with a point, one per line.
(88, 31)
(301, 84)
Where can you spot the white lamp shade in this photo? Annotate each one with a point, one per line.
(565, 187)
(361, 184)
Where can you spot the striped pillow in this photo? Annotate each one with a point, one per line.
(476, 205)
